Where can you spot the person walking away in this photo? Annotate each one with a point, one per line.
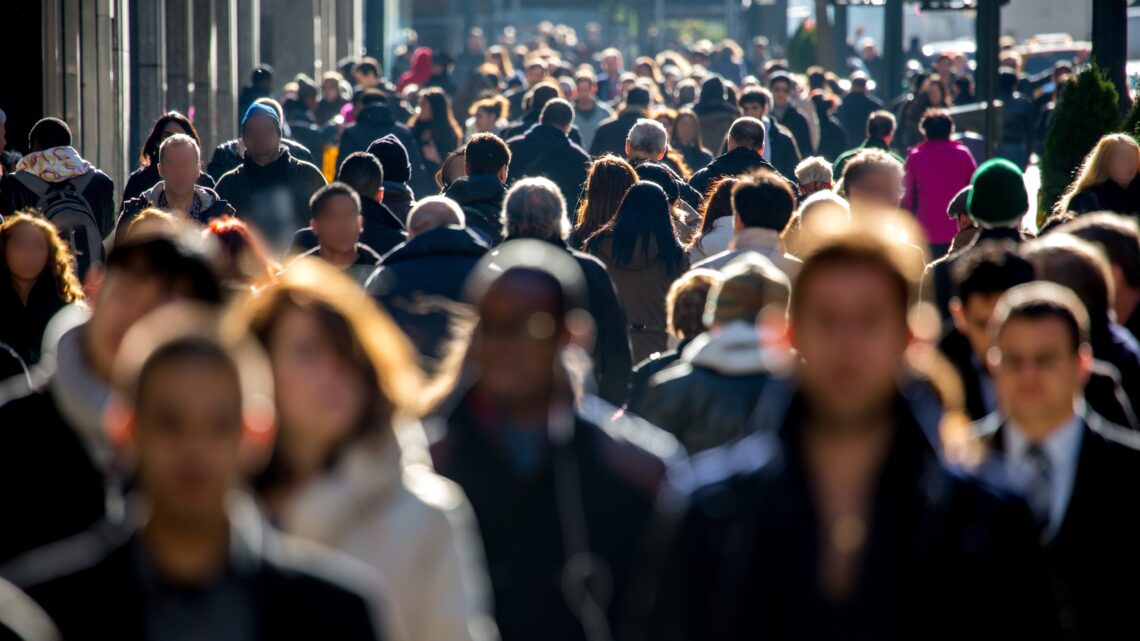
(936, 171)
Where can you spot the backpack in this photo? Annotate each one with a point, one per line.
(64, 206)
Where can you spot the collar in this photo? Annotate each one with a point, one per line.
(1062, 446)
(80, 395)
(757, 238)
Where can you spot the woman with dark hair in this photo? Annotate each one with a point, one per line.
(716, 221)
(640, 249)
(685, 137)
(452, 169)
(37, 278)
(350, 468)
(606, 183)
(146, 176)
(435, 128)
(932, 93)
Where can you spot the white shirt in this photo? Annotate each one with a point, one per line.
(1063, 449)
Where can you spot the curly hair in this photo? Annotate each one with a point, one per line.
(685, 303)
(60, 267)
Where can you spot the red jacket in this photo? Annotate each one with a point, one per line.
(936, 170)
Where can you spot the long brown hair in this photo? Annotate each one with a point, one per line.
(718, 204)
(686, 114)
(149, 154)
(59, 268)
(606, 183)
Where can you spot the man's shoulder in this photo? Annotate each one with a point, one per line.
(73, 565)
(631, 444)
(727, 472)
(315, 572)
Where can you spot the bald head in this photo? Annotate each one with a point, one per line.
(434, 212)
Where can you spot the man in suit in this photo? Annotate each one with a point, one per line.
(1078, 472)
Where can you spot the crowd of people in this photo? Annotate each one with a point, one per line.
(705, 349)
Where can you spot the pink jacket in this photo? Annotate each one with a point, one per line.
(936, 170)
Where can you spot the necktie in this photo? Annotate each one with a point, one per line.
(1039, 491)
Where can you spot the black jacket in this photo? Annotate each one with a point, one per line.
(1093, 558)
(530, 119)
(644, 371)
(373, 123)
(481, 198)
(1109, 196)
(612, 132)
(785, 153)
(22, 326)
(227, 158)
(853, 114)
(273, 198)
(697, 158)
(611, 353)
(737, 162)
(546, 151)
(612, 478)
(946, 557)
(798, 125)
(420, 283)
(936, 277)
(145, 177)
(92, 587)
(832, 137)
(99, 194)
(382, 230)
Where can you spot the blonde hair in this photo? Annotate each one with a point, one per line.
(60, 263)
(1094, 168)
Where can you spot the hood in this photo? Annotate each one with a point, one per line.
(206, 196)
(732, 350)
(397, 192)
(444, 240)
(420, 71)
(54, 165)
(712, 91)
(80, 395)
(484, 188)
(378, 214)
(375, 116)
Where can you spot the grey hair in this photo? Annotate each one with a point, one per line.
(813, 169)
(435, 211)
(178, 140)
(535, 208)
(648, 136)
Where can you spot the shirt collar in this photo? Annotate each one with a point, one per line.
(757, 238)
(1061, 447)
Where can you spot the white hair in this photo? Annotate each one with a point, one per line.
(535, 208)
(648, 136)
(820, 201)
(178, 140)
(432, 212)
(813, 169)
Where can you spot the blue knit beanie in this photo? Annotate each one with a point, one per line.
(257, 110)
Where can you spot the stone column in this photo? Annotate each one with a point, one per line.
(225, 99)
(148, 68)
(248, 38)
(204, 36)
(178, 55)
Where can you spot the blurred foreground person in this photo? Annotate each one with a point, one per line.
(350, 469)
(58, 474)
(837, 519)
(196, 560)
(1077, 471)
(563, 502)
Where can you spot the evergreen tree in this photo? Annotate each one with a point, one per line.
(1088, 109)
(1131, 124)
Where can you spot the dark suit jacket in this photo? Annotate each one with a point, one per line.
(1094, 558)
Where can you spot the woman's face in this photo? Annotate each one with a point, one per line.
(1122, 164)
(26, 252)
(330, 90)
(425, 109)
(934, 92)
(172, 128)
(686, 131)
(320, 395)
(484, 120)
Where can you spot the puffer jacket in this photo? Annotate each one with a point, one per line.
(706, 398)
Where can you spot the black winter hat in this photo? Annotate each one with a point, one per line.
(393, 157)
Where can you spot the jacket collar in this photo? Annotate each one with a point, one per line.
(732, 350)
(758, 239)
(444, 240)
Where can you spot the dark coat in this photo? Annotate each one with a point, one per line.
(226, 157)
(1093, 559)
(145, 177)
(382, 230)
(93, 590)
(936, 277)
(853, 114)
(715, 118)
(135, 206)
(530, 119)
(260, 193)
(785, 153)
(546, 151)
(481, 198)
(646, 369)
(1109, 196)
(399, 199)
(832, 137)
(611, 134)
(798, 125)
(22, 326)
(373, 123)
(697, 158)
(1117, 347)
(946, 557)
(611, 353)
(737, 162)
(420, 283)
(613, 479)
(99, 194)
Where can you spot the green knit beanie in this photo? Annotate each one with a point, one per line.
(997, 195)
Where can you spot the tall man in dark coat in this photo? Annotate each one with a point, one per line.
(546, 150)
(746, 139)
(374, 121)
(837, 518)
(1077, 471)
(784, 111)
(480, 192)
(780, 149)
(857, 105)
(611, 134)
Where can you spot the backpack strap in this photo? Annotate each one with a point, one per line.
(81, 182)
(34, 184)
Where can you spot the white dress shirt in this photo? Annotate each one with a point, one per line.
(1063, 449)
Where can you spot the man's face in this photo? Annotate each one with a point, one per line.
(339, 225)
(971, 319)
(535, 74)
(851, 334)
(752, 109)
(485, 120)
(125, 296)
(261, 137)
(612, 66)
(518, 340)
(781, 94)
(586, 89)
(877, 189)
(1036, 370)
(188, 432)
(179, 168)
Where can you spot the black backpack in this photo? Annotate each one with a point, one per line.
(65, 207)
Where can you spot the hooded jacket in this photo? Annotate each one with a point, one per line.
(546, 151)
(54, 166)
(481, 198)
(715, 113)
(209, 205)
(372, 123)
(274, 198)
(227, 157)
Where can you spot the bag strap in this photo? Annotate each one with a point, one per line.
(35, 184)
(81, 183)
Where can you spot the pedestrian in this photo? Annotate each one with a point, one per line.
(332, 99)
(762, 208)
(179, 190)
(685, 137)
(746, 142)
(716, 113)
(244, 263)
(435, 130)
(1119, 237)
(589, 111)
(480, 192)
(1073, 467)
(230, 154)
(640, 249)
(880, 131)
(420, 283)
(857, 106)
(421, 70)
(872, 180)
(338, 225)
(349, 474)
(561, 516)
(607, 180)
(452, 169)
(780, 147)
(374, 121)
(147, 174)
(612, 132)
(270, 189)
(1108, 180)
(707, 397)
(783, 89)
(936, 171)
(546, 150)
(813, 174)
(534, 208)
(397, 174)
(260, 86)
(37, 279)
(201, 558)
(716, 229)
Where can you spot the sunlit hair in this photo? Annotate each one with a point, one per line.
(717, 204)
(606, 183)
(496, 104)
(498, 56)
(149, 153)
(442, 120)
(150, 221)
(243, 255)
(1094, 168)
(686, 114)
(362, 335)
(685, 302)
(59, 269)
